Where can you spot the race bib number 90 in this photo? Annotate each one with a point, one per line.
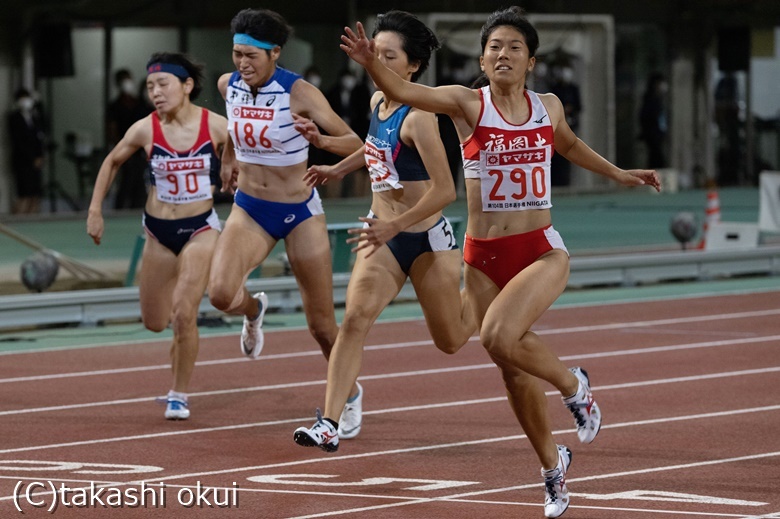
(183, 180)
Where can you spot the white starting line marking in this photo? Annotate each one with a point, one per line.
(422, 485)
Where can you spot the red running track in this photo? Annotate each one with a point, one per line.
(689, 389)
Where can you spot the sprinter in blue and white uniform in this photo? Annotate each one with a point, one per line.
(273, 116)
(405, 234)
(183, 142)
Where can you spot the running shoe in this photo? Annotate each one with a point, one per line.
(586, 412)
(352, 416)
(252, 338)
(556, 495)
(176, 408)
(322, 434)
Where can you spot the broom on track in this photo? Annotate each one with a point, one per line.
(80, 271)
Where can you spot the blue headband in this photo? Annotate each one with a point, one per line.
(177, 70)
(245, 39)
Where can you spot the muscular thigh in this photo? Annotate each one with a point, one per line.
(529, 294)
(374, 283)
(194, 266)
(480, 290)
(241, 246)
(308, 249)
(436, 280)
(159, 270)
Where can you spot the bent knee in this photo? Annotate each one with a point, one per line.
(155, 324)
(184, 318)
(325, 335)
(448, 345)
(356, 322)
(225, 301)
(499, 341)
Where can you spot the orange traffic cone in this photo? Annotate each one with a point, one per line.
(711, 215)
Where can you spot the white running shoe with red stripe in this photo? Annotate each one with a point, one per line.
(322, 434)
(556, 495)
(586, 412)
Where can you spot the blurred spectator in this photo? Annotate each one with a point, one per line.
(727, 117)
(350, 97)
(318, 156)
(653, 120)
(313, 76)
(568, 92)
(126, 109)
(539, 81)
(26, 131)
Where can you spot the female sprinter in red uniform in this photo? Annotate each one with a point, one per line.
(183, 142)
(516, 263)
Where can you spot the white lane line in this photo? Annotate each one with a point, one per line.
(703, 416)
(584, 356)
(377, 412)
(663, 322)
(380, 497)
(232, 360)
(540, 331)
(310, 353)
(332, 493)
(461, 496)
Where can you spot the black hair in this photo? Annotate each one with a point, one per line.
(417, 40)
(512, 17)
(120, 75)
(653, 80)
(263, 25)
(20, 93)
(194, 69)
(480, 81)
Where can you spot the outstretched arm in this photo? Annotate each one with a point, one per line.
(451, 99)
(576, 151)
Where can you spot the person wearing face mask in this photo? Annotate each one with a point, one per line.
(568, 92)
(124, 110)
(350, 98)
(27, 153)
(653, 120)
(313, 76)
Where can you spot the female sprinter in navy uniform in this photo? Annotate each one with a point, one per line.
(183, 142)
(272, 117)
(516, 263)
(412, 183)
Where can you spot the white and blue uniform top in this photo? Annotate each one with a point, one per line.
(261, 125)
(388, 159)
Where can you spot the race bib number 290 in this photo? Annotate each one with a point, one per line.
(513, 180)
